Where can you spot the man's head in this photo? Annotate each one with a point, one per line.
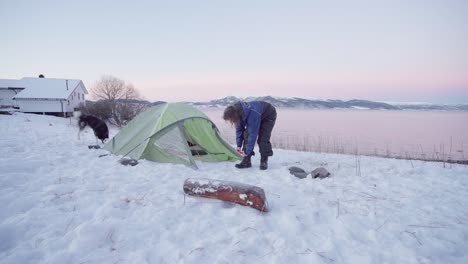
(233, 114)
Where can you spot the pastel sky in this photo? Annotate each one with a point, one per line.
(394, 50)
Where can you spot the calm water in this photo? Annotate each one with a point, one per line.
(407, 134)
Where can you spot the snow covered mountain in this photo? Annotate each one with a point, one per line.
(302, 103)
(296, 102)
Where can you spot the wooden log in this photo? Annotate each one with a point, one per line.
(235, 192)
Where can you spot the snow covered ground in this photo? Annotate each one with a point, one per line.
(60, 203)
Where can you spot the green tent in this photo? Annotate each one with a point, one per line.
(174, 133)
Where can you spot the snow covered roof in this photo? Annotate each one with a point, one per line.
(47, 88)
(9, 83)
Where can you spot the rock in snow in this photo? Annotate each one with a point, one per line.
(320, 173)
(298, 172)
(294, 169)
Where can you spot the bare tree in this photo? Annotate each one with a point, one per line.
(119, 96)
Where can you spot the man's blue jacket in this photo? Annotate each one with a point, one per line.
(251, 119)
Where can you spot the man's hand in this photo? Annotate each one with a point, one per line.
(240, 151)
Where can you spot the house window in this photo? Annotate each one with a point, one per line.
(68, 101)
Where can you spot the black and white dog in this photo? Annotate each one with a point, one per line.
(99, 127)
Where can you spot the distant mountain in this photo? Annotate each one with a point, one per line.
(296, 102)
(301, 103)
(218, 102)
(458, 107)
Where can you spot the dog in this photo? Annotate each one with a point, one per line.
(100, 129)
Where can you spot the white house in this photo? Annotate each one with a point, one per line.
(8, 89)
(43, 95)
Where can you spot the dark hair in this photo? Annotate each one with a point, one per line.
(233, 114)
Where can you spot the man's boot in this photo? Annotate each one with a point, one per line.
(264, 162)
(245, 163)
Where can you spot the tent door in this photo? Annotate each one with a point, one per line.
(195, 148)
(174, 143)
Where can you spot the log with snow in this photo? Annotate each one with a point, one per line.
(235, 192)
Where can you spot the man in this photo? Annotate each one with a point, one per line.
(257, 118)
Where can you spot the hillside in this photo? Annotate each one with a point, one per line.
(302, 103)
